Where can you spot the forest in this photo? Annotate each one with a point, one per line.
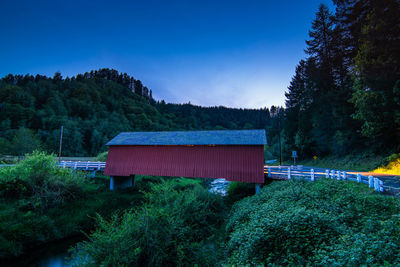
(345, 95)
(93, 108)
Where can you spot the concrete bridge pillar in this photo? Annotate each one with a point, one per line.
(121, 182)
(258, 188)
(93, 174)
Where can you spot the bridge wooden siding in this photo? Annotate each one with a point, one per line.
(236, 155)
(312, 174)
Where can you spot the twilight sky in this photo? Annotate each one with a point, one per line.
(236, 53)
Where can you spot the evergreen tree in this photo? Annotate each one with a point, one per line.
(377, 72)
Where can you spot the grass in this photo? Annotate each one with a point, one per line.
(375, 164)
(15, 159)
(359, 163)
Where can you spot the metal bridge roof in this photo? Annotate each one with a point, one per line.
(224, 137)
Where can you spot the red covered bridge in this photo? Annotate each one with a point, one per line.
(236, 155)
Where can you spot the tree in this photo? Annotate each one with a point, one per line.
(377, 72)
(24, 141)
(57, 77)
(318, 110)
(299, 108)
(138, 87)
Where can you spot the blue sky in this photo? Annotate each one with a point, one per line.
(238, 53)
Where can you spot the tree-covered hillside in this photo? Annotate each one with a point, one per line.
(94, 107)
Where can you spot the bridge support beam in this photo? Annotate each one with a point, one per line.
(258, 188)
(111, 182)
(92, 174)
(121, 182)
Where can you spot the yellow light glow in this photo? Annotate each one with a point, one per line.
(392, 168)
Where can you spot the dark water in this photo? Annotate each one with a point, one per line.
(54, 254)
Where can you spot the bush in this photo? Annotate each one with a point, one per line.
(174, 227)
(39, 182)
(236, 191)
(376, 243)
(390, 165)
(40, 202)
(102, 156)
(391, 158)
(33, 198)
(322, 223)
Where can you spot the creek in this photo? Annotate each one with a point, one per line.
(52, 254)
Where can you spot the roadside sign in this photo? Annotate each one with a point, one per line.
(294, 156)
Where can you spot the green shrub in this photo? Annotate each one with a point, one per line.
(40, 202)
(102, 156)
(376, 243)
(40, 182)
(144, 183)
(286, 237)
(322, 223)
(391, 158)
(237, 191)
(173, 228)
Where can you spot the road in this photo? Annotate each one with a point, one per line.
(392, 181)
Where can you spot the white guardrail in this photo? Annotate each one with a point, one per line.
(312, 174)
(83, 165)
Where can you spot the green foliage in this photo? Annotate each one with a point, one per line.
(376, 244)
(376, 74)
(173, 228)
(356, 162)
(27, 192)
(102, 156)
(93, 108)
(322, 223)
(40, 203)
(237, 191)
(344, 97)
(24, 141)
(391, 158)
(5, 146)
(39, 182)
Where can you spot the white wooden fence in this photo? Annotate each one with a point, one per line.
(312, 174)
(83, 165)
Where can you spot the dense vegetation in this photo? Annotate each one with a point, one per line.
(174, 228)
(358, 162)
(327, 222)
(40, 203)
(95, 107)
(322, 223)
(344, 97)
(177, 222)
